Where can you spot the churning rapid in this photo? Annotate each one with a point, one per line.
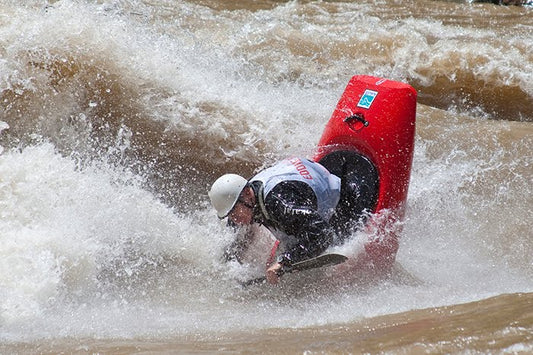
(116, 116)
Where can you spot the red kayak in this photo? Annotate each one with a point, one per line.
(371, 133)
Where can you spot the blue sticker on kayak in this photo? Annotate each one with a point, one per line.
(367, 99)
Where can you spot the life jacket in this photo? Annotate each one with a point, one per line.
(325, 185)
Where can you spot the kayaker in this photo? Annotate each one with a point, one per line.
(297, 200)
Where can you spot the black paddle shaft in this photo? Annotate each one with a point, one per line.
(319, 261)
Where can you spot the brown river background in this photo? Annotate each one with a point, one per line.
(116, 116)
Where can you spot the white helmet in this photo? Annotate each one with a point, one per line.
(225, 192)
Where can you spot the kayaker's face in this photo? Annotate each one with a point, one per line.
(243, 211)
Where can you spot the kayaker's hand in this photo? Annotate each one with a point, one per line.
(273, 273)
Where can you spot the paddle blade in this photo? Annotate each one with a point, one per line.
(319, 261)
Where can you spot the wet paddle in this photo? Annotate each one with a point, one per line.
(319, 261)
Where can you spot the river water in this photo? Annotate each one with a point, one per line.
(116, 116)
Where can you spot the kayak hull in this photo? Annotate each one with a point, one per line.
(375, 118)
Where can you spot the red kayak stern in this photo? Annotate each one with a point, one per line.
(375, 118)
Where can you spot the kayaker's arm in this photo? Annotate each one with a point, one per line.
(235, 251)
